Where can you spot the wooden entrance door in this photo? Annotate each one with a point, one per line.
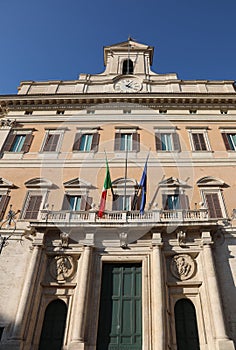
(186, 325)
(53, 326)
(120, 316)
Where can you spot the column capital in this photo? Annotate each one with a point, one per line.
(38, 240)
(157, 239)
(88, 241)
(206, 238)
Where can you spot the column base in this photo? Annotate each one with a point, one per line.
(225, 344)
(11, 345)
(76, 345)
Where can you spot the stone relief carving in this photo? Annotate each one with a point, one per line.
(183, 266)
(7, 123)
(62, 268)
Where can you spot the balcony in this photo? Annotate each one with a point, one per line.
(115, 218)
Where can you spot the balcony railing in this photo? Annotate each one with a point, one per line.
(119, 217)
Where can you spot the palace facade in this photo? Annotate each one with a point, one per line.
(157, 269)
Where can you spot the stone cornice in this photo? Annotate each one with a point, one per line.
(110, 100)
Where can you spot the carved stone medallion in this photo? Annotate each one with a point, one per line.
(62, 268)
(183, 266)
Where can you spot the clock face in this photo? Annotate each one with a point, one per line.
(128, 85)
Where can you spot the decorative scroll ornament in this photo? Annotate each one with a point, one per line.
(183, 266)
(62, 268)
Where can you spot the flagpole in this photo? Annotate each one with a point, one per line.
(106, 163)
(126, 170)
(139, 186)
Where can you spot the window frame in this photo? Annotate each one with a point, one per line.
(60, 133)
(11, 137)
(225, 132)
(135, 139)
(174, 139)
(210, 185)
(119, 192)
(80, 132)
(200, 131)
(31, 193)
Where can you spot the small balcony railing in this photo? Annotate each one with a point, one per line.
(119, 217)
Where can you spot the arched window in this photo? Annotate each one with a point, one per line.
(53, 326)
(128, 67)
(186, 325)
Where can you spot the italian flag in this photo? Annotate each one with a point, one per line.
(106, 186)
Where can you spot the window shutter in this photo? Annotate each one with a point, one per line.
(117, 142)
(213, 204)
(115, 202)
(202, 142)
(158, 142)
(65, 204)
(89, 203)
(83, 202)
(8, 143)
(94, 146)
(27, 143)
(51, 142)
(136, 141)
(165, 202)
(77, 141)
(199, 142)
(33, 207)
(176, 142)
(226, 142)
(184, 202)
(3, 205)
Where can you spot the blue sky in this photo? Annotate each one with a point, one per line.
(57, 40)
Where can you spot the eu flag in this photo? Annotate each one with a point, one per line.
(143, 186)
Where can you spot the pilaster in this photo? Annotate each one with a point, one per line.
(158, 320)
(222, 340)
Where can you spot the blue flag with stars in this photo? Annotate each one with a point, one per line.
(143, 186)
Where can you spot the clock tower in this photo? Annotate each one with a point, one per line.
(128, 57)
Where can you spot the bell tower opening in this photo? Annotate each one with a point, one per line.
(128, 67)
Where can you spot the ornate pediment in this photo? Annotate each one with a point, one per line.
(38, 182)
(173, 182)
(5, 183)
(77, 183)
(211, 181)
(121, 182)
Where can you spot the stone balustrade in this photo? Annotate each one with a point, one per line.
(119, 217)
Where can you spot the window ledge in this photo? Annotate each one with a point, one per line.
(13, 155)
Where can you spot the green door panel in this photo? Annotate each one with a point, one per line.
(120, 316)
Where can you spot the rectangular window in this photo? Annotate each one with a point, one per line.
(175, 201)
(18, 142)
(51, 142)
(4, 200)
(213, 205)
(127, 141)
(230, 141)
(124, 203)
(171, 202)
(199, 142)
(86, 142)
(76, 202)
(33, 205)
(167, 141)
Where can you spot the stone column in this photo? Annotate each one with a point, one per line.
(26, 295)
(80, 301)
(158, 320)
(222, 340)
